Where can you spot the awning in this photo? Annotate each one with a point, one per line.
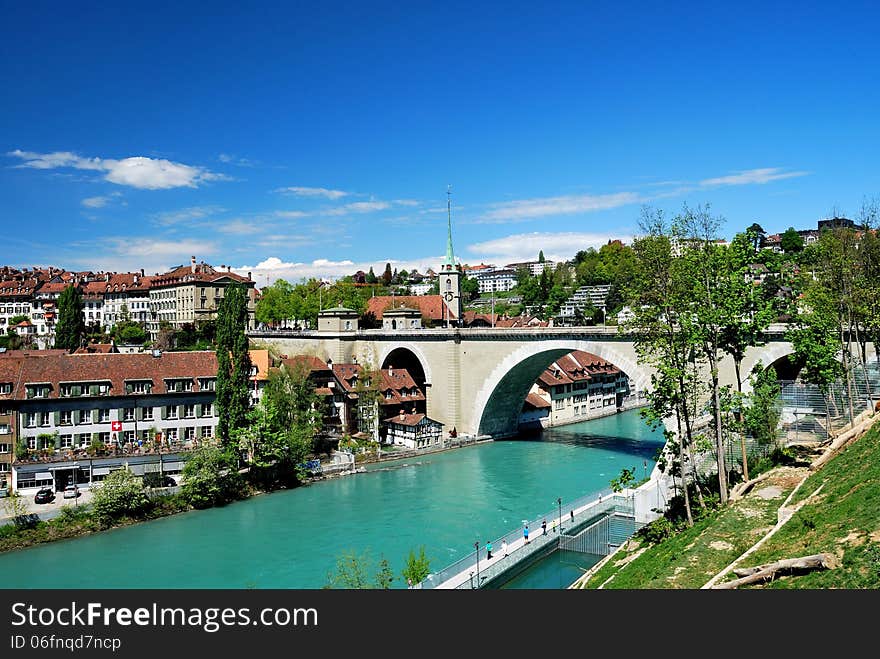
(151, 468)
(100, 471)
(43, 476)
(173, 466)
(137, 470)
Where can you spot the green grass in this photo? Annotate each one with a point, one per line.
(690, 558)
(844, 519)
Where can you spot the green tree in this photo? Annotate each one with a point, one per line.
(129, 333)
(353, 571)
(387, 276)
(371, 277)
(121, 494)
(233, 362)
(210, 477)
(15, 320)
(623, 480)
(71, 325)
(541, 258)
(470, 289)
(761, 413)
(791, 241)
(275, 304)
(417, 568)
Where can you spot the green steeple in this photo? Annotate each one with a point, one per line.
(450, 256)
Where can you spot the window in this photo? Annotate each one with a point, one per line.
(32, 443)
(31, 420)
(189, 411)
(104, 437)
(171, 433)
(207, 384)
(148, 414)
(5, 410)
(559, 404)
(4, 469)
(5, 448)
(37, 390)
(189, 434)
(207, 431)
(387, 395)
(66, 441)
(128, 437)
(104, 416)
(5, 387)
(171, 412)
(66, 418)
(142, 387)
(128, 414)
(208, 409)
(83, 439)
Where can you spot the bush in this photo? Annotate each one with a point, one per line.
(211, 478)
(656, 531)
(122, 493)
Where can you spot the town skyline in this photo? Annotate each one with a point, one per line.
(307, 142)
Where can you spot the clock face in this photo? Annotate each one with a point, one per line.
(450, 296)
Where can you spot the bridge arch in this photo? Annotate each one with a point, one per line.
(407, 355)
(768, 355)
(499, 400)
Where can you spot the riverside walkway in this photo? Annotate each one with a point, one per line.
(476, 569)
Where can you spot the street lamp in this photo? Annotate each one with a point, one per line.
(477, 549)
(559, 503)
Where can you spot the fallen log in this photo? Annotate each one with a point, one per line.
(741, 489)
(769, 571)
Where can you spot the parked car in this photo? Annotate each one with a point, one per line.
(44, 495)
(71, 492)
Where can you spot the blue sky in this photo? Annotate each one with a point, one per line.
(292, 140)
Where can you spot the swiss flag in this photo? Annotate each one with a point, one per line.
(116, 426)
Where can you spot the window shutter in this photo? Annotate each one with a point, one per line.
(57, 418)
(95, 416)
(200, 410)
(164, 412)
(180, 411)
(57, 441)
(139, 413)
(96, 436)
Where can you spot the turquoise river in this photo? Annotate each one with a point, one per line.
(291, 539)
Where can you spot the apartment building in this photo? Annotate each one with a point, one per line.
(580, 386)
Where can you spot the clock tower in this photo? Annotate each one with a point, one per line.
(450, 273)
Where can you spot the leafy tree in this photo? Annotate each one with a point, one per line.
(371, 277)
(233, 362)
(71, 325)
(15, 320)
(756, 235)
(761, 415)
(626, 478)
(210, 477)
(791, 241)
(130, 333)
(387, 276)
(418, 566)
(121, 493)
(541, 258)
(353, 572)
(276, 303)
(470, 289)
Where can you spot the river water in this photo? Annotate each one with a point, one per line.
(292, 539)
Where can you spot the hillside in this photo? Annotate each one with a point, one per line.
(839, 515)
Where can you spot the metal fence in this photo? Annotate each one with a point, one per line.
(473, 570)
(602, 536)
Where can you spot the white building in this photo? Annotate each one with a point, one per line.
(496, 280)
(536, 268)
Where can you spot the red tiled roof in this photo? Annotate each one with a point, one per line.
(95, 348)
(577, 366)
(406, 419)
(15, 288)
(431, 306)
(113, 367)
(310, 363)
(203, 273)
(534, 400)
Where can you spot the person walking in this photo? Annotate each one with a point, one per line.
(504, 548)
(571, 512)
(526, 534)
(488, 550)
(544, 527)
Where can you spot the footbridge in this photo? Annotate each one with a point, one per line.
(477, 379)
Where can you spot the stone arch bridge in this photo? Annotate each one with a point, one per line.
(477, 379)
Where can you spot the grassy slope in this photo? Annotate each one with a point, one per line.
(843, 519)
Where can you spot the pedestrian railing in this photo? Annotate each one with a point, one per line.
(474, 570)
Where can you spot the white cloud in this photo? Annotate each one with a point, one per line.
(273, 268)
(95, 202)
(237, 227)
(184, 215)
(357, 207)
(527, 209)
(300, 191)
(752, 176)
(406, 202)
(525, 246)
(291, 215)
(136, 172)
(128, 253)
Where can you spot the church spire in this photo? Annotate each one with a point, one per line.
(450, 257)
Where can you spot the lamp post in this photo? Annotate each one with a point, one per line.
(559, 503)
(477, 550)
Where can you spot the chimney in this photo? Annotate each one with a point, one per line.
(228, 268)
(249, 275)
(142, 272)
(402, 414)
(390, 370)
(192, 264)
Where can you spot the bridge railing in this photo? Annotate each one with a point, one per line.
(465, 573)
